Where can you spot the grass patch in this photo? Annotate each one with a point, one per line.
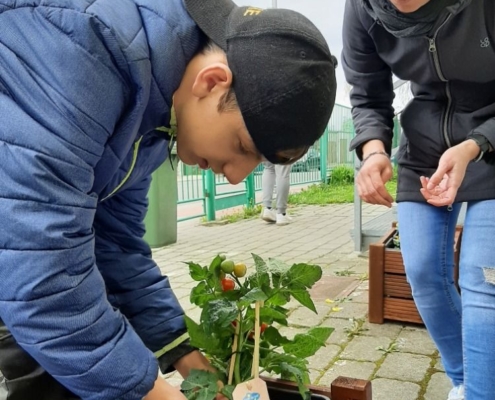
(339, 190)
(246, 213)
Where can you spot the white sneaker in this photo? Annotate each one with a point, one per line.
(283, 219)
(269, 215)
(456, 393)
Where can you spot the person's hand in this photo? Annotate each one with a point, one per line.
(164, 391)
(441, 188)
(373, 174)
(196, 360)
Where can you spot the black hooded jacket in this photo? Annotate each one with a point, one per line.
(452, 74)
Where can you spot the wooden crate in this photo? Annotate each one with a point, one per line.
(342, 388)
(390, 295)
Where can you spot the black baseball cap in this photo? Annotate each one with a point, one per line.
(283, 71)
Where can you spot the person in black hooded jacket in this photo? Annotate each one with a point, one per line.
(445, 48)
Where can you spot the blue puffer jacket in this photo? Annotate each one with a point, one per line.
(83, 84)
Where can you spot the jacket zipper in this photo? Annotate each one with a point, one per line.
(127, 176)
(436, 61)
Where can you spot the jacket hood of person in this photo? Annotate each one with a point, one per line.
(451, 80)
(83, 85)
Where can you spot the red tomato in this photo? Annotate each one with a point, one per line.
(227, 284)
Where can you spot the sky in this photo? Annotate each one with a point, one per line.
(327, 15)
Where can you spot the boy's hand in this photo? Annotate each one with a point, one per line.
(195, 360)
(164, 391)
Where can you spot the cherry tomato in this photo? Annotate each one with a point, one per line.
(240, 270)
(262, 329)
(227, 266)
(227, 284)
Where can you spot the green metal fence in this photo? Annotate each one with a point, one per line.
(201, 193)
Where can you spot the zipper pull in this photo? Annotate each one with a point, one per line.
(432, 47)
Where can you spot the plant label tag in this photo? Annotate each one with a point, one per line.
(254, 389)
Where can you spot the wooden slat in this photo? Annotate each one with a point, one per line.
(397, 286)
(393, 261)
(401, 310)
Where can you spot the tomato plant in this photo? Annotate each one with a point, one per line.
(223, 311)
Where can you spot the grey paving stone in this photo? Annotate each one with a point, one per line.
(388, 389)
(365, 348)
(354, 369)
(351, 310)
(438, 387)
(323, 357)
(405, 367)
(416, 340)
(339, 335)
(305, 317)
(390, 330)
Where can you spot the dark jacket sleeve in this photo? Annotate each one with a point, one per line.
(134, 282)
(371, 80)
(487, 129)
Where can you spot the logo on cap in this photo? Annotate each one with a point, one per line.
(253, 11)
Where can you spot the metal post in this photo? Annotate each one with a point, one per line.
(250, 193)
(210, 195)
(274, 3)
(358, 212)
(324, 156)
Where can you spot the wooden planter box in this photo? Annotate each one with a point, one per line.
(390, 295)
(342, 388)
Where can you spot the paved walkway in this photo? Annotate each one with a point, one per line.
(401, 360)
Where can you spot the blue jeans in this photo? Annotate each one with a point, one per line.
(462, 327)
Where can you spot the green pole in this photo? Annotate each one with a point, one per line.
(210, 195)
(251, 199)
(324, 156)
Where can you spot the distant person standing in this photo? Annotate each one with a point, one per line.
(279, 175)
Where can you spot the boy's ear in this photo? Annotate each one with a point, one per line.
(213, 77)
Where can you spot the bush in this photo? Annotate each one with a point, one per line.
(341, 175)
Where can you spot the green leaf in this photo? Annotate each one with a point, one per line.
(302, 274)
(273, 336)
(199, 338)
(253, 296)
(200, 385)
(260, 280)
(228, 391)
(320, 333)
(303, 297)
(197, 272)
(280, 298)
(218, 314)
(269, 314)
(215, 264)
(201, 295)
(259, 263)
(277, 266)
(307, 344)
(300, 376)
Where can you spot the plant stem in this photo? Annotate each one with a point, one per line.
(237, 368)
